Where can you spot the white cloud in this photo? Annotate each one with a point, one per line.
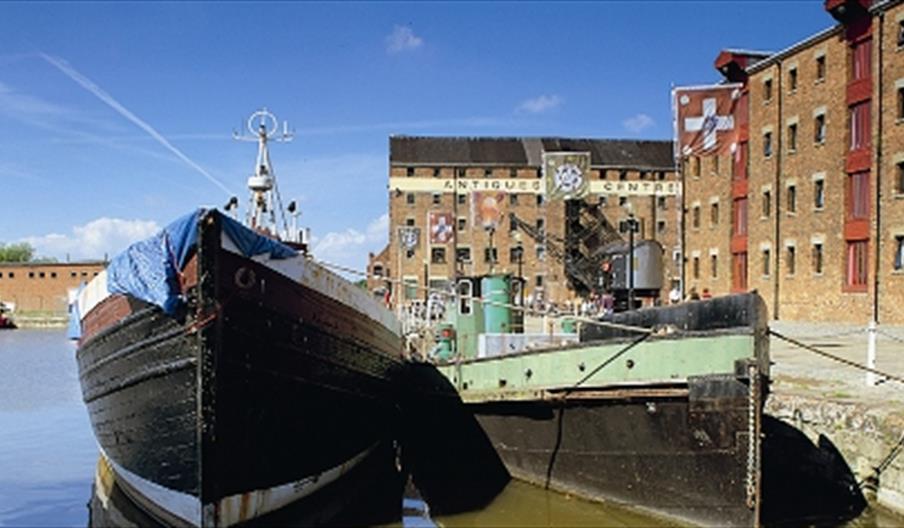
(350, 247)
(99, 237)
(401, 39)
(540, 104)
(638, 123)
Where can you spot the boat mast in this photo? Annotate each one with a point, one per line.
(263, 127)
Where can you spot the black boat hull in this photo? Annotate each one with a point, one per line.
(670, 456)
(265, 391)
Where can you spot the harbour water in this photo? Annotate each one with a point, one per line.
(48, 455)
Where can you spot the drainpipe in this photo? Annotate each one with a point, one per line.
(871, 378)
(778, 196)
(878, 244)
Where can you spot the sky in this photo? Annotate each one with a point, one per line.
(116, 118)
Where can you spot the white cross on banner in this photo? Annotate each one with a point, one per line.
(704, 119)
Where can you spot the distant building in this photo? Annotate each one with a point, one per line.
(44, 287)
(424, 171)
(809, 211)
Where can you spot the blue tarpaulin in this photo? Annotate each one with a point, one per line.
(149, 269)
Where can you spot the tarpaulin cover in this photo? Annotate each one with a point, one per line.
(149, 270)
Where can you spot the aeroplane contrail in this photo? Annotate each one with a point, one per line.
(89, 85)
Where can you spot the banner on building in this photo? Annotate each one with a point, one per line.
(486, 209)
(567, 175)
(408, 237)
(535, 186)
(441, 226)
(705, 119)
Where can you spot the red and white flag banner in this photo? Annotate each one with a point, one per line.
(705, 123)
(441, 227)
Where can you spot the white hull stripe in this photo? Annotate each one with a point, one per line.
(230, 510)
(182, 505)
(239, 508)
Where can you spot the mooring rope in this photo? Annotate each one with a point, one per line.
(833, 357)
(514, 307)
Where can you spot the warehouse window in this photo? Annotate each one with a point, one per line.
(438, 255)
(767, 204)
(792, 199)
(487, 173)
(791, 259)
(857, 260)
(463, 254)
(696, 267)
(899, 188)
(901, 102)
(408, 222)
(462, 224)
(436, 198)
(622, 200)
(462, 198)
(817, 258)
(766, 264)
(409, 171)
(860, 125)
(513, 199)
(792, 137)
(819, 129)
(767, 144)
(695, 218)
(858, 195)
(899, 252)
(861, 59)
(767, 90)
(819, 194)
(792, 79)
(714, 266)
(409, 198)
(740, 216)
(820, 68)
(436, 172)
(660, 202)
(490, 255)
(660, 226)
(901, 34)
(714, 213)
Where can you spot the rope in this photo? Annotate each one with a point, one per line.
(514, 307)
(833, 357)
(890, 336)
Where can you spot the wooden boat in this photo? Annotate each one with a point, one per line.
(228, 375)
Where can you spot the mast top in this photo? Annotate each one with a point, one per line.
(262, 127)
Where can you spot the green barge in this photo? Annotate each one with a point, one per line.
(660, 409)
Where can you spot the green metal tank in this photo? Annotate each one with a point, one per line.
(445, 342)
(497, 312)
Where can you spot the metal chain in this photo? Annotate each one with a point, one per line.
(752, 440)
(833, 357)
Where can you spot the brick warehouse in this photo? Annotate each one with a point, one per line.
(43, 287)
(816, 188)
(516, 160)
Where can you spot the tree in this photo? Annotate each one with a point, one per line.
(21, 252)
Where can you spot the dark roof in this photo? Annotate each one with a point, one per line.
(520, 152)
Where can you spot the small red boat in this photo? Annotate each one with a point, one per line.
(6, 323)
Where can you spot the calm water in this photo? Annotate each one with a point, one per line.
(48, 455)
